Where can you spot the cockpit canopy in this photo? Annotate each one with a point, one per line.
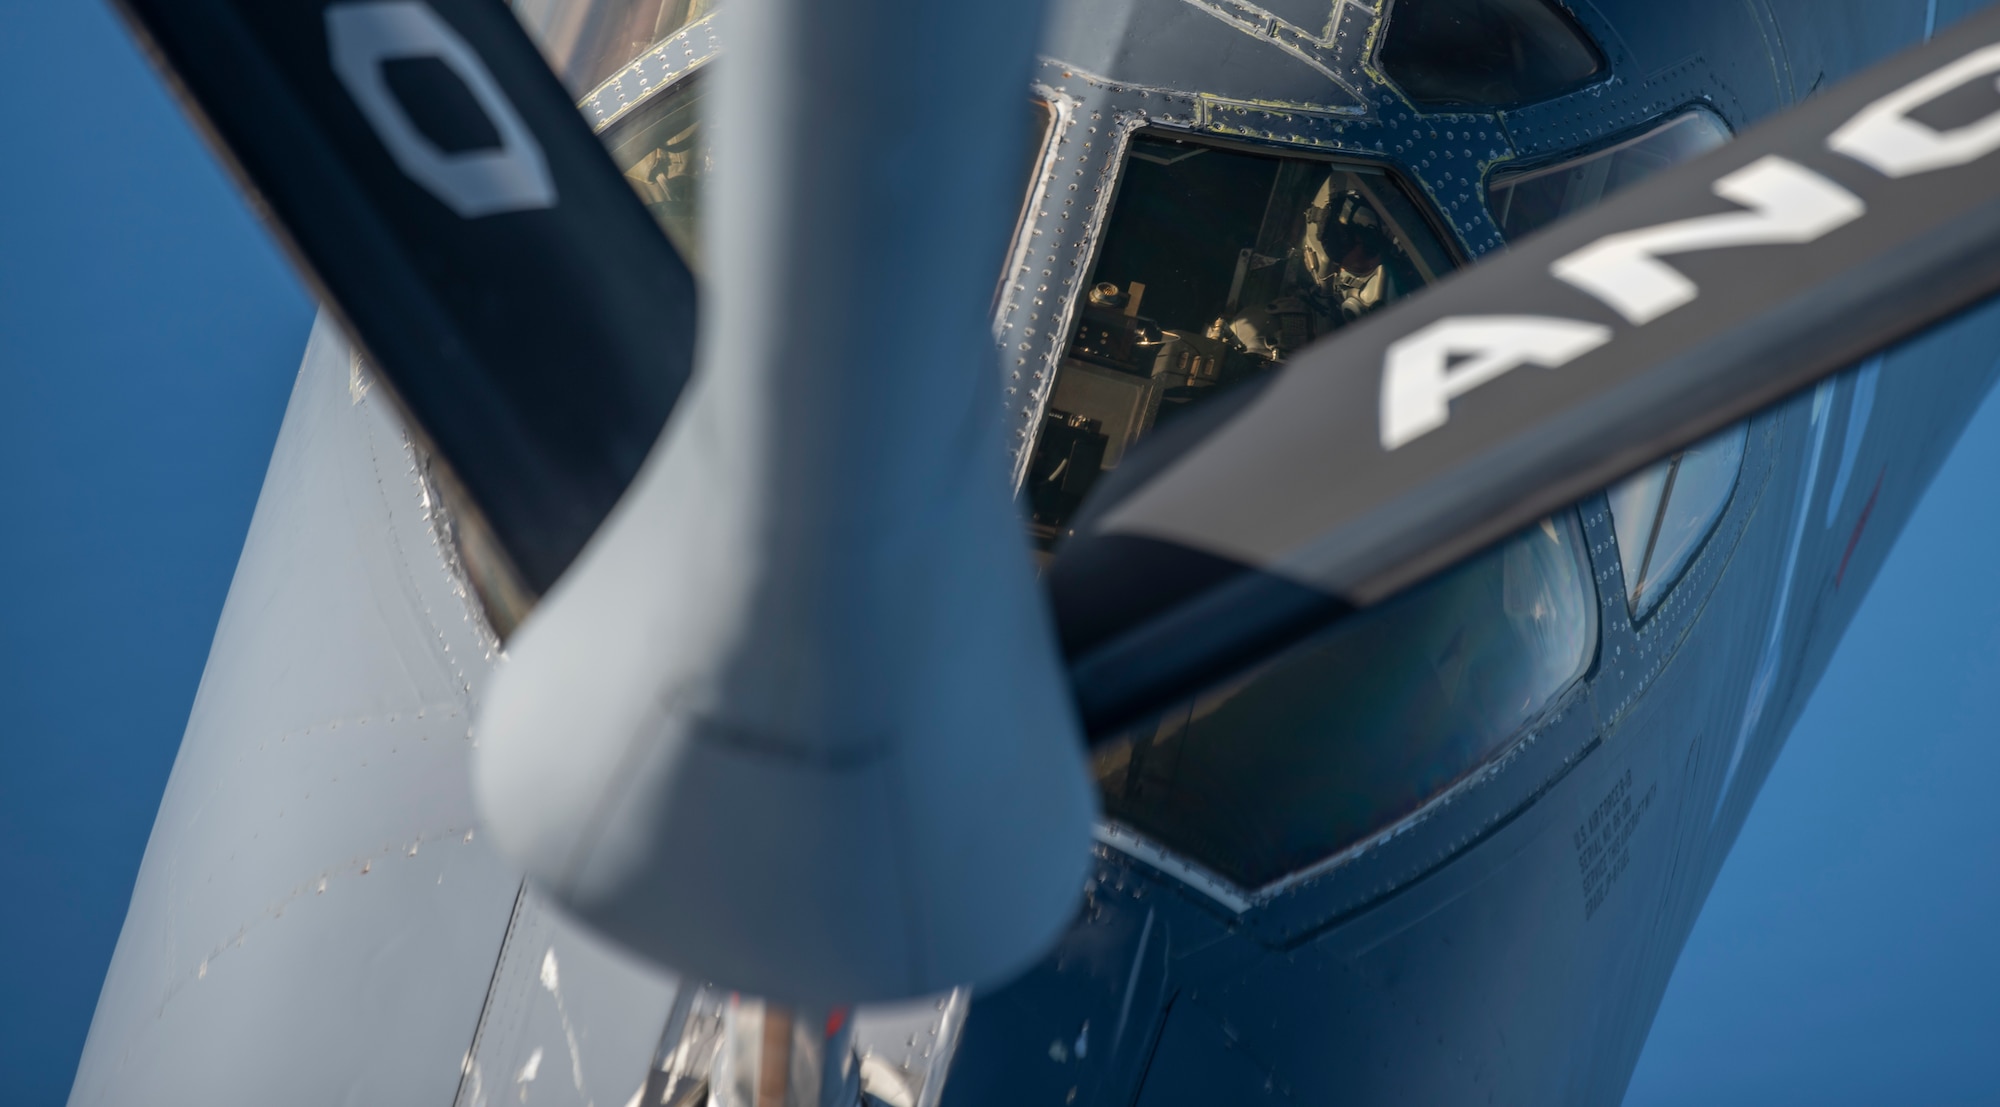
(1217, 263)
(1343, 736)
(1486, 53)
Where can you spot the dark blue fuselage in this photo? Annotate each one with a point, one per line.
(1512, 943)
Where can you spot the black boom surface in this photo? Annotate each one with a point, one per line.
(451, 205)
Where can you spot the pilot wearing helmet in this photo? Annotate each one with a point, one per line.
(1343, 251)
(1339, 276)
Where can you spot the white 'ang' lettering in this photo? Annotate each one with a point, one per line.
(1883, 137)
(1424, 371)
(1786, 202)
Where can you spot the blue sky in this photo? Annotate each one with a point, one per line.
(149, 332)
(1847, 954)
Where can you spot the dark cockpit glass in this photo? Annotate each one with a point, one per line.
(1526, 199)
(1486, 53)
(1216, 264)
(1339, 738)
(664, 151)
(1664, 512)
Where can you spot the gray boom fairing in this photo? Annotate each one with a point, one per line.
(810, 639)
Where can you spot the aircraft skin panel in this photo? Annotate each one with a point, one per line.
(1515, 942)
(1925, 392)
(315, 917)
(1912, 424)
(569, 1020)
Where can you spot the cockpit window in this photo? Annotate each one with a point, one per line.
(586, 41)
(1525, 200)
(1216, 264)
(663, 150)
(1341, 737)
(1662, 513)
(1486, 53)
(666, 154)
